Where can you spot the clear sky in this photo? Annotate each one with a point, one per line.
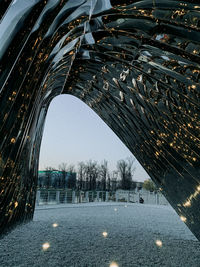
(74, 132)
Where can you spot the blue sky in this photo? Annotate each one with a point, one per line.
(74, 132)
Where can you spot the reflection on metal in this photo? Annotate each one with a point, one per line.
(136, 63)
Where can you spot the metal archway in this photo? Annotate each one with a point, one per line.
(136, 63)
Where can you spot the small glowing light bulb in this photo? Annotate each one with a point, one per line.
(45, 246)
(115, 209)
(125, 206)
(105, 234)
(183, 218)
(55, 225)
(187, 204)
(159, 243)
(114, 264)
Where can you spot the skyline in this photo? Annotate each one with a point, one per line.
(73, 132)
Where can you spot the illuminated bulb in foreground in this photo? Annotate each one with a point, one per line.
(45, 246)
(125, 206)
(55, 225)
(187, 204)
(183, 218)
(159, 243)
(105, 234)
(114, 264)
(115, 209)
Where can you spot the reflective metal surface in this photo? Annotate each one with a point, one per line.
(136, 63)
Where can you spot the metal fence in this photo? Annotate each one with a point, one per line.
(55, 196)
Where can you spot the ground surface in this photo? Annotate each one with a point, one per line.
(78, 240)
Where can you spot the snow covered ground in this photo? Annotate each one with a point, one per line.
(137, 235)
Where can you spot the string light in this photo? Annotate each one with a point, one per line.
(183, 218)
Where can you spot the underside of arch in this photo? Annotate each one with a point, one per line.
(136, 63)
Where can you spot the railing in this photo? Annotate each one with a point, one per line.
(55, 196)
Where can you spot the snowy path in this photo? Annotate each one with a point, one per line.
(78, 240)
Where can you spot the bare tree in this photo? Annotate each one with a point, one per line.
(91, 174)
(86, 177)
(80, 182)
(108, 186)
(95, 172)
(103, 173)
(63, 168)
(71, 181)
(114, 181)
(131, 171)
(126, 171)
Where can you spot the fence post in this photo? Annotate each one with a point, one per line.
(116, 196)
(87, 196)
(73, 196)
(38, 198)
(65, 199)
(98, 196)
(57, 196)
(48, 198)
(80, 197)
(107, 196)
(128, 198)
